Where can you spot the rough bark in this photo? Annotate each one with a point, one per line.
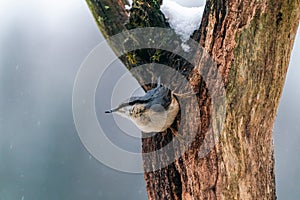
(251, 42)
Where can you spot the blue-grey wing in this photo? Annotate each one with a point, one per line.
(159, 95)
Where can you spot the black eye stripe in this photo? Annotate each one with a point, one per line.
(137, 101)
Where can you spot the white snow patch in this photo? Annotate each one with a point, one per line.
(128, 7)
(191, 3)
(185, 47)
(183, 19)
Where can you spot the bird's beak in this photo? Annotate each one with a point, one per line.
(111, 111)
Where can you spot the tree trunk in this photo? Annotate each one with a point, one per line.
(251, 42)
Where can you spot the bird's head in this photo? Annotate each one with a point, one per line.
(124, 109)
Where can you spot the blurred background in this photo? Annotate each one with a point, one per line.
(42, 44)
